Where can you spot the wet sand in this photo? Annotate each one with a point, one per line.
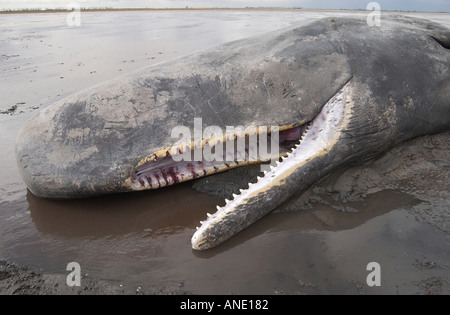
(393, 211)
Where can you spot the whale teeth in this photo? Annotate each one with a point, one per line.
(278, 162)
(258, 178)
(196, 227)
(265, 172)
(234, 196)
(201, 222)
(227, 201)
(250, 184)
(208, 214)
(241, 190)
(218, 207)
(273, 167)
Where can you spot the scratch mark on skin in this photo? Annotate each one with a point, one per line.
(190, 105)
(265, 85)
(216, 113)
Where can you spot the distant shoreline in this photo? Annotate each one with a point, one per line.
(62, 10)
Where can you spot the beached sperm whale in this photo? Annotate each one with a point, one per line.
(338, 89)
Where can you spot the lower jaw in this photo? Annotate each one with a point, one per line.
(309, 160)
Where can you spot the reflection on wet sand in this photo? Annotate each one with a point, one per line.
(157, 213)
(172, 210)
(143, 239)
(319, 218)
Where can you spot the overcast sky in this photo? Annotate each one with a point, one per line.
(407, 5)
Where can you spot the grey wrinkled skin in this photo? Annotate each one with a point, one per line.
(88, 144)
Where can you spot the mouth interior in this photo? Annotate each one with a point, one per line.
(179, 164)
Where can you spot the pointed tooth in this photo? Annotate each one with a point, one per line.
(258, 178)
(241, 190)
(250, 184)
(218, 207)
(196, 227)
(227, 201)
(273, 167)
(278, 162)
(208, 214)
(234, 196)
(265, 172)
(201, 222)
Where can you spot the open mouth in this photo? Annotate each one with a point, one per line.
(304, 161)
(181, 163)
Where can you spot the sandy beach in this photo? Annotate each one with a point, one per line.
(394, 211)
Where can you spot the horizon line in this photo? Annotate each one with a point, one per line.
(60, 9)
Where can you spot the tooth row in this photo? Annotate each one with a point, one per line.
(265, 173)
(234, 197)
(219, 208)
